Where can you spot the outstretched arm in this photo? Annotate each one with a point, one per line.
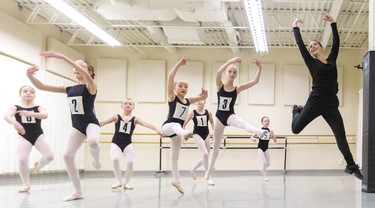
(106, 121)
(335, 37)
(254, 81)
(202, 96)
(219, 82)
(170, 81)
(38, 84)
(301, 45)
(90, 83)
(148, 125)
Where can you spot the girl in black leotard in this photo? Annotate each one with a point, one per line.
(227, 94)
(201, 133)
(122, 144)
(263, 152)
(323, 100)
(81, 98)
(27, 121)
(178, 108)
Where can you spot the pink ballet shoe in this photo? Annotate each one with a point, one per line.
(24, 189)
(178, 187)
(74, 196)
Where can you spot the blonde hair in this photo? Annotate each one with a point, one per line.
(179, 81)
(232, 66)
(90, 68)
(128, 99)
(264, 117)
(24, 87)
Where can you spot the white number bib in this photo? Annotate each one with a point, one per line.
(76, 105)
(125, 127)
(224, 103)
(27, 119)
(266, 137)
(201, 120)
(181, 111)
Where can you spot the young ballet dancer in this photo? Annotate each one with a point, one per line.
(178, 110)
(227, 94)
(201, 133)
(125, 124)
(81, 98)
(263, 152)
(26, 117)
(323, 100)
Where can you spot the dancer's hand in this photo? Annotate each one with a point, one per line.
(297, 21)
(258, 64)
(184, 60)
(19, 128)
(253, 138)
(327, 17)
(204, 93)
(31, 71)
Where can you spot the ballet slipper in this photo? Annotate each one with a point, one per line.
(128, 187)
(188, 135)
(178, 187)
(35, 169)
(116, 185)
(210, 182)
(24, 189)
(74, 196)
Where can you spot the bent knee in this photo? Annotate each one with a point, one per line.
(23, 161)
(93, 143)
(115, 160)
(50, 157)
(129, 163)
(68, 157)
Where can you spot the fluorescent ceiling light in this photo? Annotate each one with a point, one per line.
(77, 17)
(254, 15)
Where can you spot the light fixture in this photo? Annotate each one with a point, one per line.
(254, 15)
(77, 17)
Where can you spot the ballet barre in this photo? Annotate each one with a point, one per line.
(226, 145)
